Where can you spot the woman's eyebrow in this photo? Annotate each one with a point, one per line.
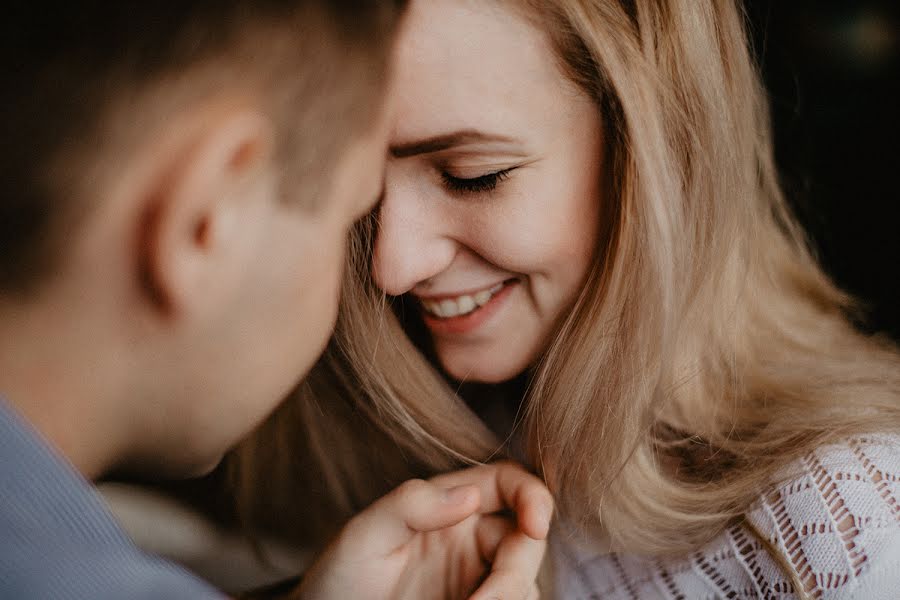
(447, 141)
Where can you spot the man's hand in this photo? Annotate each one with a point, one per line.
(441, 539)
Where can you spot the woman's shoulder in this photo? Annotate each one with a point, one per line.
(833, 522)
(835, 518)
(840, 489)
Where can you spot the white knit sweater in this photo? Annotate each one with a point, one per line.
(837, 523)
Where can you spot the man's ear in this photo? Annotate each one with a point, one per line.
(206, 212)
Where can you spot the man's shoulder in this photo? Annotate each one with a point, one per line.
(58, 539)
(68, 570)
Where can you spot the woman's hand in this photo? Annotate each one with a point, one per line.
(441, 539)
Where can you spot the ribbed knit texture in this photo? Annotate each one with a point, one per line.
(58, 539)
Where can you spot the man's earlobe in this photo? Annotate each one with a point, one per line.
(204, 212)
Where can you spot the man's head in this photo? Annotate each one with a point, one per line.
(177, 181)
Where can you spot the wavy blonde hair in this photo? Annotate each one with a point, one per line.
(706, 351)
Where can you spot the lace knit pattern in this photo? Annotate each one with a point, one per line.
(837, 524)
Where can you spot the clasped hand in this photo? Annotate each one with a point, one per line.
(441, 539)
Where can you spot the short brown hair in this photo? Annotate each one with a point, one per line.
(86, 82)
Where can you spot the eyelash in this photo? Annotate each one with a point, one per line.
(475, 185)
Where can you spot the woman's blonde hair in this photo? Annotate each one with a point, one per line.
(706, 351)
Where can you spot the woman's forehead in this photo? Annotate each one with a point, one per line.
(466, 65)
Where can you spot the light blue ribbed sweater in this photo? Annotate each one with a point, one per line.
(59, 540)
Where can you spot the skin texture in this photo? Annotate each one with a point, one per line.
(469, 70)
(277, 308)
(202, 294)
(438, 539)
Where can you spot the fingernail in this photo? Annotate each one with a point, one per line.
(548, 510)
(546, 513)
(459, 494)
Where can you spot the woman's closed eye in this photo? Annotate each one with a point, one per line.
(473, 185)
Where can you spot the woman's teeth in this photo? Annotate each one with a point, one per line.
(461, 305)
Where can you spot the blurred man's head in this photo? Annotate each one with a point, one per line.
(177, 183)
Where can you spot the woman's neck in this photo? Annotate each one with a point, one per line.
(498, 405)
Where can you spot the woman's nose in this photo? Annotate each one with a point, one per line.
(411, 244)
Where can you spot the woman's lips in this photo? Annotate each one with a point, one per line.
(465, 313)
(460, 304)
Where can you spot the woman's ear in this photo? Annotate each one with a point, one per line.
(205, 213)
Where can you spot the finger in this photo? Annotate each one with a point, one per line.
(515, 568)
(535, 593)
(508, 485)
(527, 495)
(416, 506)
(489, 532)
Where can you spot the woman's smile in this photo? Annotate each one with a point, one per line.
(461, 314)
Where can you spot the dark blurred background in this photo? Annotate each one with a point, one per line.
(832, 71)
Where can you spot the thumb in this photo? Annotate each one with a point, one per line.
(416, 506)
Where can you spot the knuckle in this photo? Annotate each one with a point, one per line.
(358, 527)
(411, 489)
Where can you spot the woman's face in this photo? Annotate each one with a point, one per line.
(492, 189)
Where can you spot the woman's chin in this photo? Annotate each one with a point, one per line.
(474, 371)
